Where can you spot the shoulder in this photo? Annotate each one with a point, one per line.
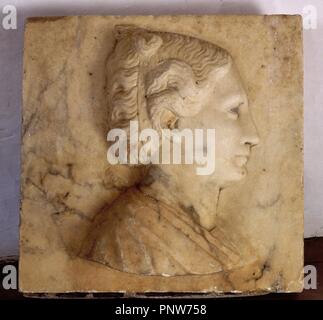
(115, 239)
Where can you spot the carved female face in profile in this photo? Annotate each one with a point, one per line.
(225, 108)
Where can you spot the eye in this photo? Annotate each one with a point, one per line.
(233, 113)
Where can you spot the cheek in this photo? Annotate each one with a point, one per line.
(227, 134)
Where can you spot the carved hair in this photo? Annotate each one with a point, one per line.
(172, 67)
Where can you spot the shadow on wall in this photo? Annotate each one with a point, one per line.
(145, 8)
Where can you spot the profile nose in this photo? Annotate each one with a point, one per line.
(252, 140)
(250, 135)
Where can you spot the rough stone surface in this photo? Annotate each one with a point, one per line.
(66, 180)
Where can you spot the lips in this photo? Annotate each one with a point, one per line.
(240, 160)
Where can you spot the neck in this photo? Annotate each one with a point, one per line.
(182, 190)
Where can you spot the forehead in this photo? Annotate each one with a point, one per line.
(226, 87)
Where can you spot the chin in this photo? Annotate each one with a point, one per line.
(233, 175)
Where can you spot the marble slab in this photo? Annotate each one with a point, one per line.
(90, 226)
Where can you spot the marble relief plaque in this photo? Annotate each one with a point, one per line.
(162, 154)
